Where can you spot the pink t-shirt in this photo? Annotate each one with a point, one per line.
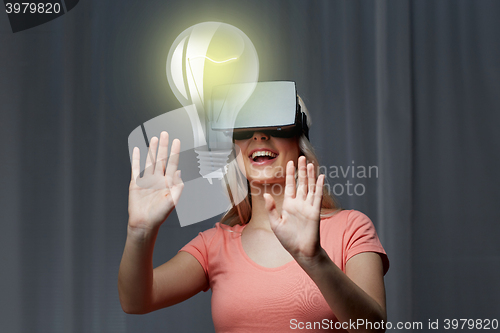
(247, 297)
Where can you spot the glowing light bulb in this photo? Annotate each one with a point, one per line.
(203, 57)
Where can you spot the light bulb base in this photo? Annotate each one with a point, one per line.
(213, 163)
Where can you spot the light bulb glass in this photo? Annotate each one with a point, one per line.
(202, 59)
(208, 55)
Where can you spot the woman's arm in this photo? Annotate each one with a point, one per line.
(357, 295)
(135, 277)
(152, 198)
(143, 289)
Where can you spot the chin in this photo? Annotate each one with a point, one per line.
(266, 181)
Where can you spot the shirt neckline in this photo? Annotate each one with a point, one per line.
(253, 263)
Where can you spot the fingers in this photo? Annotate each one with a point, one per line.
(157, 163)
(306, 180)
(314, 187)
(311, 183)
(136, 163)
(318, 193)
(290, 180)
(161, 158)
(302, 178)
(173, 162)
(272, 212)
(150, 160)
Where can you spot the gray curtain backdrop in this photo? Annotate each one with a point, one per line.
(411, 88)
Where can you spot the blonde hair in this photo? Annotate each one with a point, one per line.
(238, 187)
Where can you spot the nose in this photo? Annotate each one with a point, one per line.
(260, 136)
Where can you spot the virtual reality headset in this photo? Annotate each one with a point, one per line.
(269, 107)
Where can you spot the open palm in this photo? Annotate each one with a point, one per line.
(153, 196)
(297, 228)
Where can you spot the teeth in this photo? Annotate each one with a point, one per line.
(263, 153)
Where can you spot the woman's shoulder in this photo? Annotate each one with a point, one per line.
(342, 213)
(345, 218)
(220, 227)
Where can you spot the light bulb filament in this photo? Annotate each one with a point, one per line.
(217, 62)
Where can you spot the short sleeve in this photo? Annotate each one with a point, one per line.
(198, 248)
(361, 236)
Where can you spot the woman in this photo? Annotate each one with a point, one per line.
(284, 258)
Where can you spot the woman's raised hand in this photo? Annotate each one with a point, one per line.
(298, 226)
(153, 196)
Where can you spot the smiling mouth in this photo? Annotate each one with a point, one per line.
(262, 156)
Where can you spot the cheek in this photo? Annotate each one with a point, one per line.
(292, 149)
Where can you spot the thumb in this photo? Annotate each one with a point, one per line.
(272, 212)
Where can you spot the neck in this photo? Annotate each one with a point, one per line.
(260, 218)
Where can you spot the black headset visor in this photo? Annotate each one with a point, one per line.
(272, 108)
